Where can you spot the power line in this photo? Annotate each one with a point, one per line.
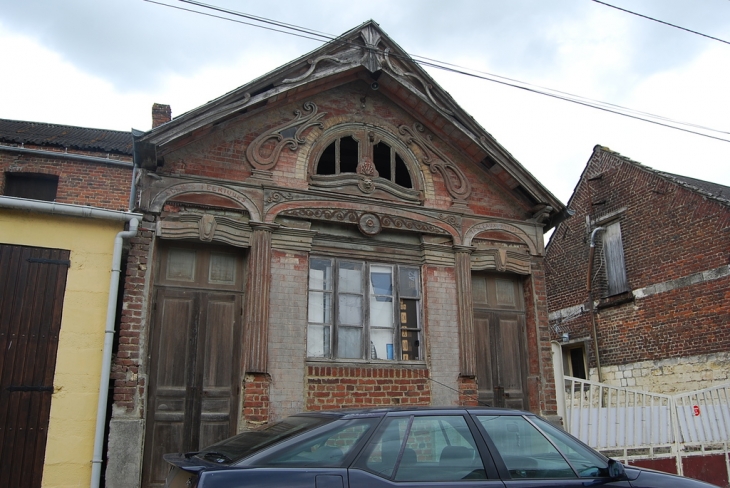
(661, 21)
(310, 34)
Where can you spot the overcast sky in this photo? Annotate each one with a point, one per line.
(103, 63)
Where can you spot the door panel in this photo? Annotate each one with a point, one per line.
(499, 327)
(32, 287)
(219, 370)
(485, 360)
(194, 355)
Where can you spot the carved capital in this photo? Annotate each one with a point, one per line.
(285, 135)
(463, 249)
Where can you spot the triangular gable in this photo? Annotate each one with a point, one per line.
(368, 53)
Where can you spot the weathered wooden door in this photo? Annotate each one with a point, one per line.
(32, 286)
(499, 323)
(195, 349)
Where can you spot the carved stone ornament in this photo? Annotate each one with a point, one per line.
(286, 135)
(207, 226)
(456, 183)
(276, 196)
(355, 217)
(501, 259)
(369, 224)
(426, 86)
(366, 185)
(367, 168)
(313, 65)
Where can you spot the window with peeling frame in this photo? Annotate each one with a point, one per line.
(362, 310)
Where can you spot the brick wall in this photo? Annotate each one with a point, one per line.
(79, 182)
(330, 387)
(671, 235)
(288, 331)
(255, 400)
(129, 379)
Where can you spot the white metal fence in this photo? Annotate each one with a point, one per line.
(635, 424)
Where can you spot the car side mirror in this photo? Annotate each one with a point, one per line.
(616, 470)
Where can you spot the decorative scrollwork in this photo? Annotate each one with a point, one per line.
(453, 220)
(365, 220)
(284, 137)
(426, 86)
(456, 183)
(313, 65)
(278, 197)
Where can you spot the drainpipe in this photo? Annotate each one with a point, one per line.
(107, 351)
(82, 211)
(590, 300)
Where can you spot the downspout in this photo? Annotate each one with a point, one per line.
(107, 351)
(590, 300)
(82, 211)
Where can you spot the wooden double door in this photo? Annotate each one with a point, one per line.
(32, 287)
(499, 326)
(194, 355)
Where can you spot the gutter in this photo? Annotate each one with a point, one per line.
(65, 155)
(69, 210)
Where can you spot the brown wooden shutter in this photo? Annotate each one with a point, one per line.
(613, 252)
(32, 286)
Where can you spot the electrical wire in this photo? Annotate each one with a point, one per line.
(456, 69)
(661, 21)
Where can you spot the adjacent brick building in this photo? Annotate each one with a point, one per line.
(337, 232)
(660, 278)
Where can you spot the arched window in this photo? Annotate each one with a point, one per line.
(344, 155)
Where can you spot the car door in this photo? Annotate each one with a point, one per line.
(530, 453)
(426, 450)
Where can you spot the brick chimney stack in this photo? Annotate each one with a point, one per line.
(160, 114)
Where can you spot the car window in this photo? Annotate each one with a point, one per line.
(326, 449)
(246, 443)
(587, 462)
(524, 450)
(425, 448)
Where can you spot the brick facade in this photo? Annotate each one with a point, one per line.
(676, 243)
(80, 182)
(245, 182)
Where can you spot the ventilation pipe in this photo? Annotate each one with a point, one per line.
(589, 279)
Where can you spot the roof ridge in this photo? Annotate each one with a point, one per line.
(50, 124)
(674, 178)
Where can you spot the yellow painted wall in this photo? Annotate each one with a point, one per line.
(78, 366)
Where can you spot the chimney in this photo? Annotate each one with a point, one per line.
(160, 114)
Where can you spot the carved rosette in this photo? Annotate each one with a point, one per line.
(456, 183)
(286, 135)
(361, 218)
(369, 224)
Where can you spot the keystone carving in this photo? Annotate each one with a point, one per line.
(286, 135)
(456, 183)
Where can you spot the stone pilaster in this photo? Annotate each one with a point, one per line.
(257, 301)
(467, 345)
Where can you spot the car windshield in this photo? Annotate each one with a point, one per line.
(243, 445)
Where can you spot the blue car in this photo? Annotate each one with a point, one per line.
(401, 447)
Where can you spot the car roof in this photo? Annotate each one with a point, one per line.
(380, 411)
